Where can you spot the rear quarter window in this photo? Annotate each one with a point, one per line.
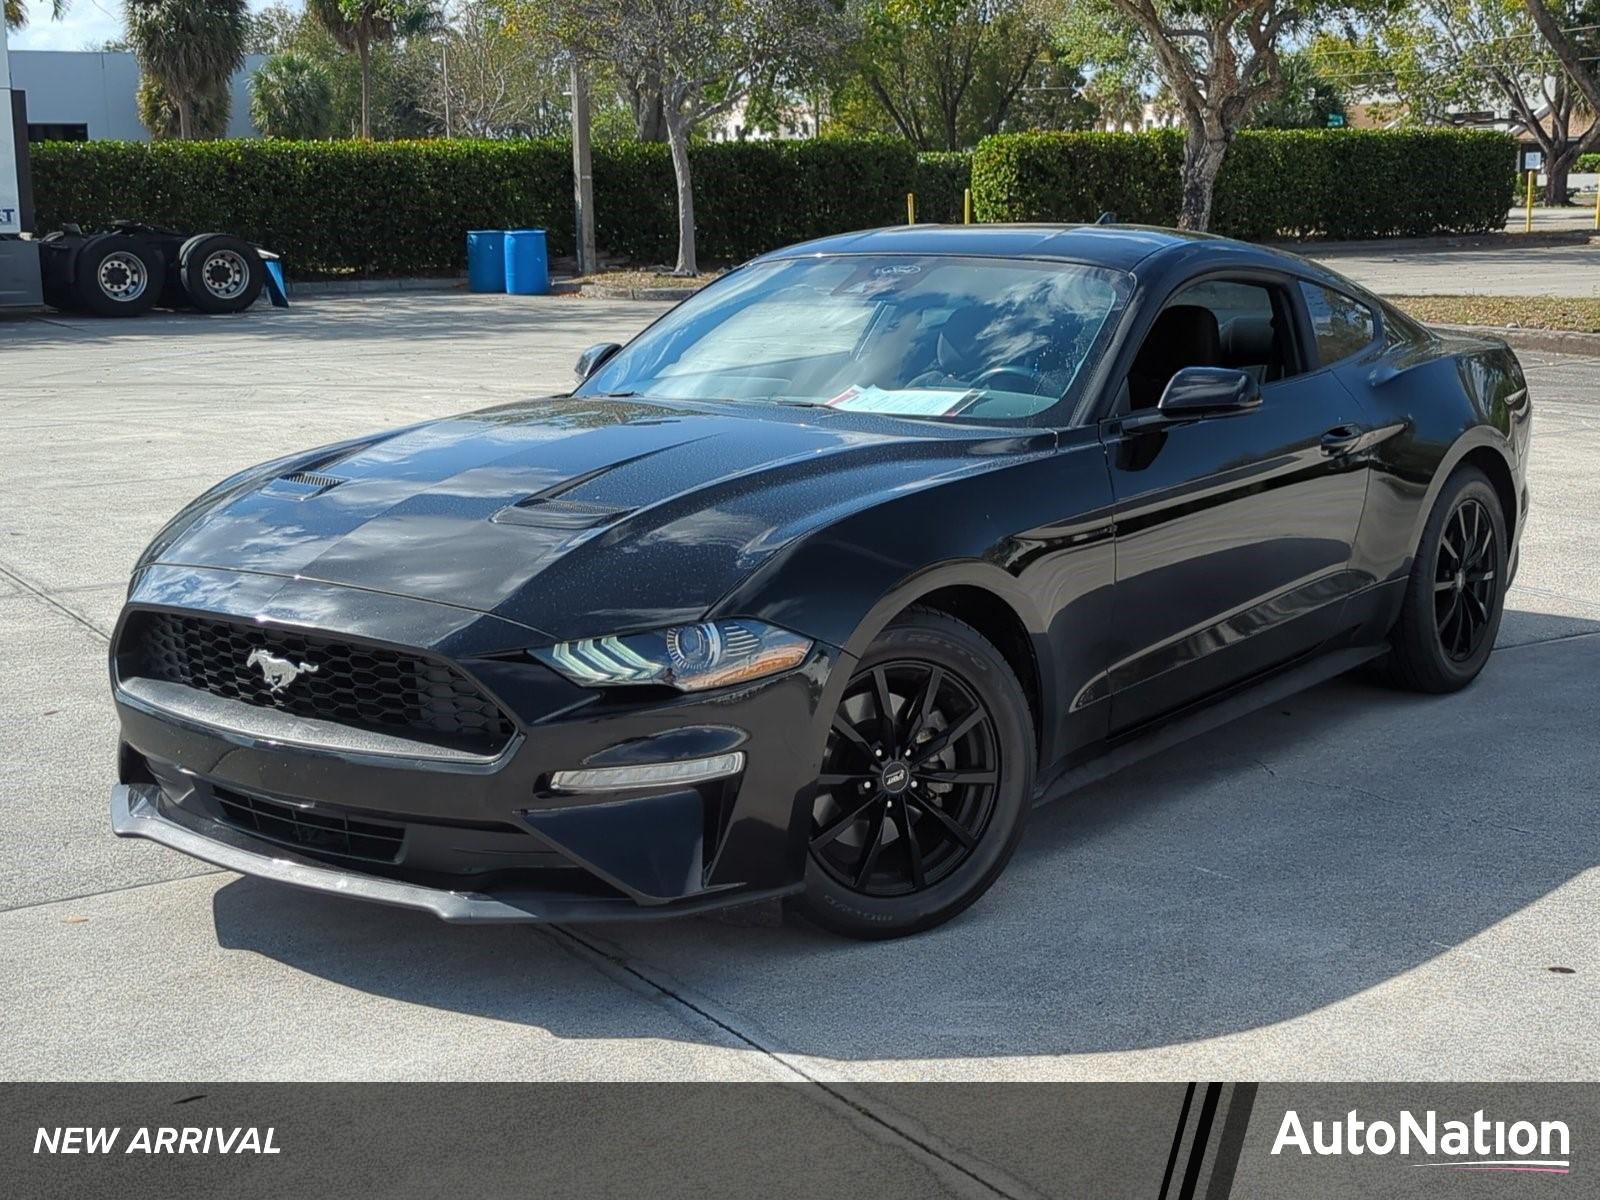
(1342, 324)
(1401, 330)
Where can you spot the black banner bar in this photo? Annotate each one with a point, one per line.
(1177, 1141)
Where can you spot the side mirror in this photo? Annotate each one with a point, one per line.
(1208, 392)
(595, 357)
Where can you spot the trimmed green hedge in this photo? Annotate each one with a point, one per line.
(397, 208)
(382, 207)
(943, 177)
(404, 207)
(1274, 183)
(1587, 163)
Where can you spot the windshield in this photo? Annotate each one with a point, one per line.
(985, 339)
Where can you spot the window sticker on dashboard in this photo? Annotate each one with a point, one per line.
(904, 402)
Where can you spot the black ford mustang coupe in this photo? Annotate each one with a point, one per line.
(815, 587)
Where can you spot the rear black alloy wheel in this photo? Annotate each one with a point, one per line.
(924, 783)
(1456, 593)
(1465, 580)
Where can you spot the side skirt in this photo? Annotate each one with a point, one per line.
(1206, 717)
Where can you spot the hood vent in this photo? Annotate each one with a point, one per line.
(541, 512)
(313, 479)
(301, 485)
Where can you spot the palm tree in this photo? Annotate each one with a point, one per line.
(208, 111)
(290, 97)
(189, 47)
(357, 24)
(17, 12)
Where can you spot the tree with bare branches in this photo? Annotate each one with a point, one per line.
(1568, 32)
(947, 72)
(495, 77)
(1219, 59)
(708, 55)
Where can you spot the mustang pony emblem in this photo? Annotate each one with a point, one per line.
(278, 671)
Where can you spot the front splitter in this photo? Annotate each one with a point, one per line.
(135, 813)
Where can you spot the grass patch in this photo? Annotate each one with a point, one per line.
(1572, 314)
(645, 279)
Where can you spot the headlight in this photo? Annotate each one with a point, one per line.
(690, 658)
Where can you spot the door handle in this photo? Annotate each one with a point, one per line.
(1342, 439)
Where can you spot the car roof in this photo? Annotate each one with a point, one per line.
(1119, 247)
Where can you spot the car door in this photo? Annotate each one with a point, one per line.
(1233, 533)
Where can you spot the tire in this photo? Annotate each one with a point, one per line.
(897, 851)
(220, 273)
(1456, 594)
(118, 276)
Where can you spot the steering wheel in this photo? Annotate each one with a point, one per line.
(1028, 375)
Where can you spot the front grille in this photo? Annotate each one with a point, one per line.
(362, 686)
(310, 829)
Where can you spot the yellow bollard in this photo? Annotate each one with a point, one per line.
(1527, 224)
(911, 208)
(1597, 205)
(966, 208)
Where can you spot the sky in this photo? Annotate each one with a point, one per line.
(87, 24)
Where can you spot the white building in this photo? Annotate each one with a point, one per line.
(89, 96)
(797, 120)
(1152, 116)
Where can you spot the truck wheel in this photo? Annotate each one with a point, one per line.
(118, 277)
(221, 274)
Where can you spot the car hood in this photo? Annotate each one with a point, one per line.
(573, 516)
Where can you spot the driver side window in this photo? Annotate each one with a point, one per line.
(1215, 323)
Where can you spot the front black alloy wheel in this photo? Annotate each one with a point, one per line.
(924, 785)
(1456, 594)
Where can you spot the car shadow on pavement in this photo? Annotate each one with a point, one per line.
(1296, 858)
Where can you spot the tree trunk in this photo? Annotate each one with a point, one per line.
(1203, 152)
(185, 118)
(1571, 61)
(1555, 179)
(647, 124)
(678, 140)
(649, 121)
(364, 51)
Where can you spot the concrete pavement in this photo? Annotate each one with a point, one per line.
(1352, 884)
(1502, 269)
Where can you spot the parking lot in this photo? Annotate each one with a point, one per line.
(1354, 883)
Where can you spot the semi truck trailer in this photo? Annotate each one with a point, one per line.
(120, 271)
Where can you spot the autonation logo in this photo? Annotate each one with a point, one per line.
(1476, 1145)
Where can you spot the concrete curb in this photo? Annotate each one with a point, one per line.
(600, 291)
(313, 288)
(1551, 341)
(354, 287)
(1422, 245)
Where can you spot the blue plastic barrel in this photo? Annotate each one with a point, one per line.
(527, 263)
(486, 260)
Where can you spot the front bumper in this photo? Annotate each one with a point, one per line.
(135, 813)
(468, 838)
